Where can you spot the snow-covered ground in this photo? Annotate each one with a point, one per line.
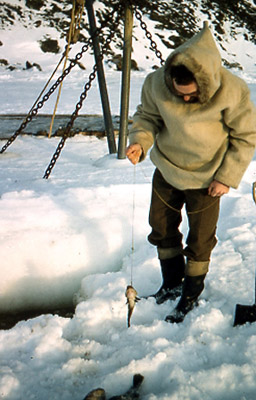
(69, 238)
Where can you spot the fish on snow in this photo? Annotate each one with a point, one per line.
(131, 394)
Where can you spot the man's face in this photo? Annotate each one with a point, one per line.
(188, 92)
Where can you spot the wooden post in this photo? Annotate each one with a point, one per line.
(101, 79)
(125, 89)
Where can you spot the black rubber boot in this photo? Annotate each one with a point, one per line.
(192, 288)
(173, 272)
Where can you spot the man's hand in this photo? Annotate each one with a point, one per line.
(217, 189)
(134, 152)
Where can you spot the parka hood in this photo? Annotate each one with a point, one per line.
(201, 56)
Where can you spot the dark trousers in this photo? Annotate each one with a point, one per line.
(202, 212)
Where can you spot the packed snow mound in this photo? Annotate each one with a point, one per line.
(71, 235)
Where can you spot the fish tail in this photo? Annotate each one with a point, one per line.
(130, 310)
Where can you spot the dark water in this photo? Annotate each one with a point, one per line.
(7, 321)
(10, 123)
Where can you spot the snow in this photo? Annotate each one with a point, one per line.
(69, 239)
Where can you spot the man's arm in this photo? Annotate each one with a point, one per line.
(240, 118)
(147, 121)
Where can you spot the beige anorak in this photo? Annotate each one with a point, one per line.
(194, 143)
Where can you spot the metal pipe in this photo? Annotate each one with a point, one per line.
(125, 88)
(101, 79)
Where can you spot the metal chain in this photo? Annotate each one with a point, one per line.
(87, 86)
(148, 35)
(34, 111)
(61, 144)
(40, 104)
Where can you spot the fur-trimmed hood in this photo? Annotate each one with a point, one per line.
(201, 56)
(194, 143)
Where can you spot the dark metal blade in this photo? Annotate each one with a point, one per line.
(244, 314)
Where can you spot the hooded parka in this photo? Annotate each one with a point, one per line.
(194, 143)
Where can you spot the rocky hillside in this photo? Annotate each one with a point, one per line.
(174, 21)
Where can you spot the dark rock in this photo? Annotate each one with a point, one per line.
(37, 66)
(49, 45)
(35, 4)
(37, 23)
(11, 67)
(117, 60)
(78, 63)
(3, 62)
(28, 65)
(230, 65)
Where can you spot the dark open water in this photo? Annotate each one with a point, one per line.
(9, 123)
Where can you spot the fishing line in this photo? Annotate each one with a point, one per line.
(133, 220)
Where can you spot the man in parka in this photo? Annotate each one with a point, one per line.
(202, 124)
